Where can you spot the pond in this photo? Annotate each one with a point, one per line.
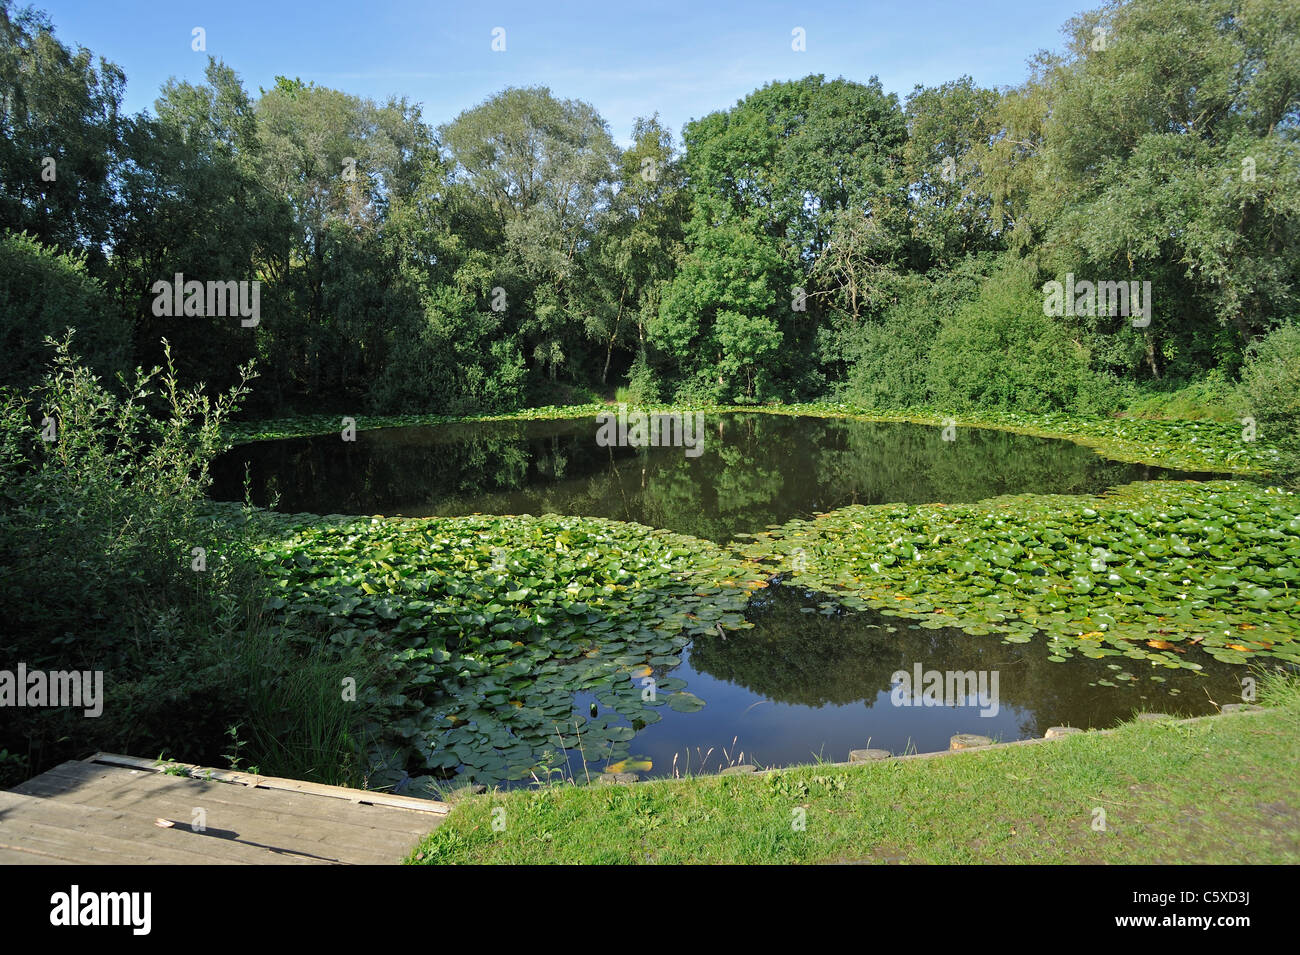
(810, 680)
(812, 683)
(752, 471)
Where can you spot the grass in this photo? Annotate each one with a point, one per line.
(1219, 791)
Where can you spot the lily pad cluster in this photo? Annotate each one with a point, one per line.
(1146, 572)
(497, 622)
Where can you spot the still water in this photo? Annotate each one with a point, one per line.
(807, 682)
(753, 470)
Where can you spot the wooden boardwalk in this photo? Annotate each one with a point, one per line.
(111, 809)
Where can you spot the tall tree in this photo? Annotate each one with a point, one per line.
(59, 137)
(544, 167)
(639, 242)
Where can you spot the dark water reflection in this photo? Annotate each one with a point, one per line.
(801, 686)
(754, 470)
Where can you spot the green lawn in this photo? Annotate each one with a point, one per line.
(1221, 790)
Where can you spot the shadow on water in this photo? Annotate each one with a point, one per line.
(754, 470)
(809, 682)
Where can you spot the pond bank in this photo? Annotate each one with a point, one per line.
(1220, 790)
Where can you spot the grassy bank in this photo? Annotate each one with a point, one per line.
(1215, 791)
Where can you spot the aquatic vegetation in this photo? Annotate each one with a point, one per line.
(497, 622)
(1143, 572)
(494, 624)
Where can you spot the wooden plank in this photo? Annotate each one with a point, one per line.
(79, 773)
(102, 850)
(225, 835)
(148, 797)
(26, 856)
(27, 822)
(91, 826)
(69, 778)
(105, 810)
(365, 796)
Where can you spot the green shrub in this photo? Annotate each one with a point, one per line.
(450, 358)
(44, 293)
(98, 571)
(1270, 393)
(99, 518)
(643, 385)
(999, 351)
(101, 502)
(888, 357)
(1213, 397)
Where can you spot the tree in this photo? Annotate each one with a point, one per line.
(639, 240)
(800, 163)
(544, 168)
(949, 128)
(1162, 146)
(59, 137)
(191, 204)
(339, 163)
(717, 318)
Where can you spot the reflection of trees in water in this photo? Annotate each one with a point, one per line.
(879, 462)
(755, 470)
(811, 659)
(389, 468)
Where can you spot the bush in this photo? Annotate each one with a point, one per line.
(451, 359)
(98, 571)
(888, 357)
(1270, 393)
(643, 386)
(999, 351)
(99, 516)
(44, 293)
(1212, 396)
(101, 503)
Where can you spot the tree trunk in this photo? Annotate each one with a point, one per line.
(1151, 357)
(609, 352)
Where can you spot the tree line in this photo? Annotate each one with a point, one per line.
(818, 238)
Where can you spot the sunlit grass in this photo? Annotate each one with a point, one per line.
(1215, 791)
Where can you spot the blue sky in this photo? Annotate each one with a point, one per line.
(681, 59)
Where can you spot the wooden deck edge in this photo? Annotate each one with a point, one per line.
(362, 796)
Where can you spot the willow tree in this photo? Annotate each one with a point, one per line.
(544, 168)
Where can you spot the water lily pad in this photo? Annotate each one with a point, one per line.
(684, 702)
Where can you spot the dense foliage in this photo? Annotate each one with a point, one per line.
(819, 237)
(111, 557)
